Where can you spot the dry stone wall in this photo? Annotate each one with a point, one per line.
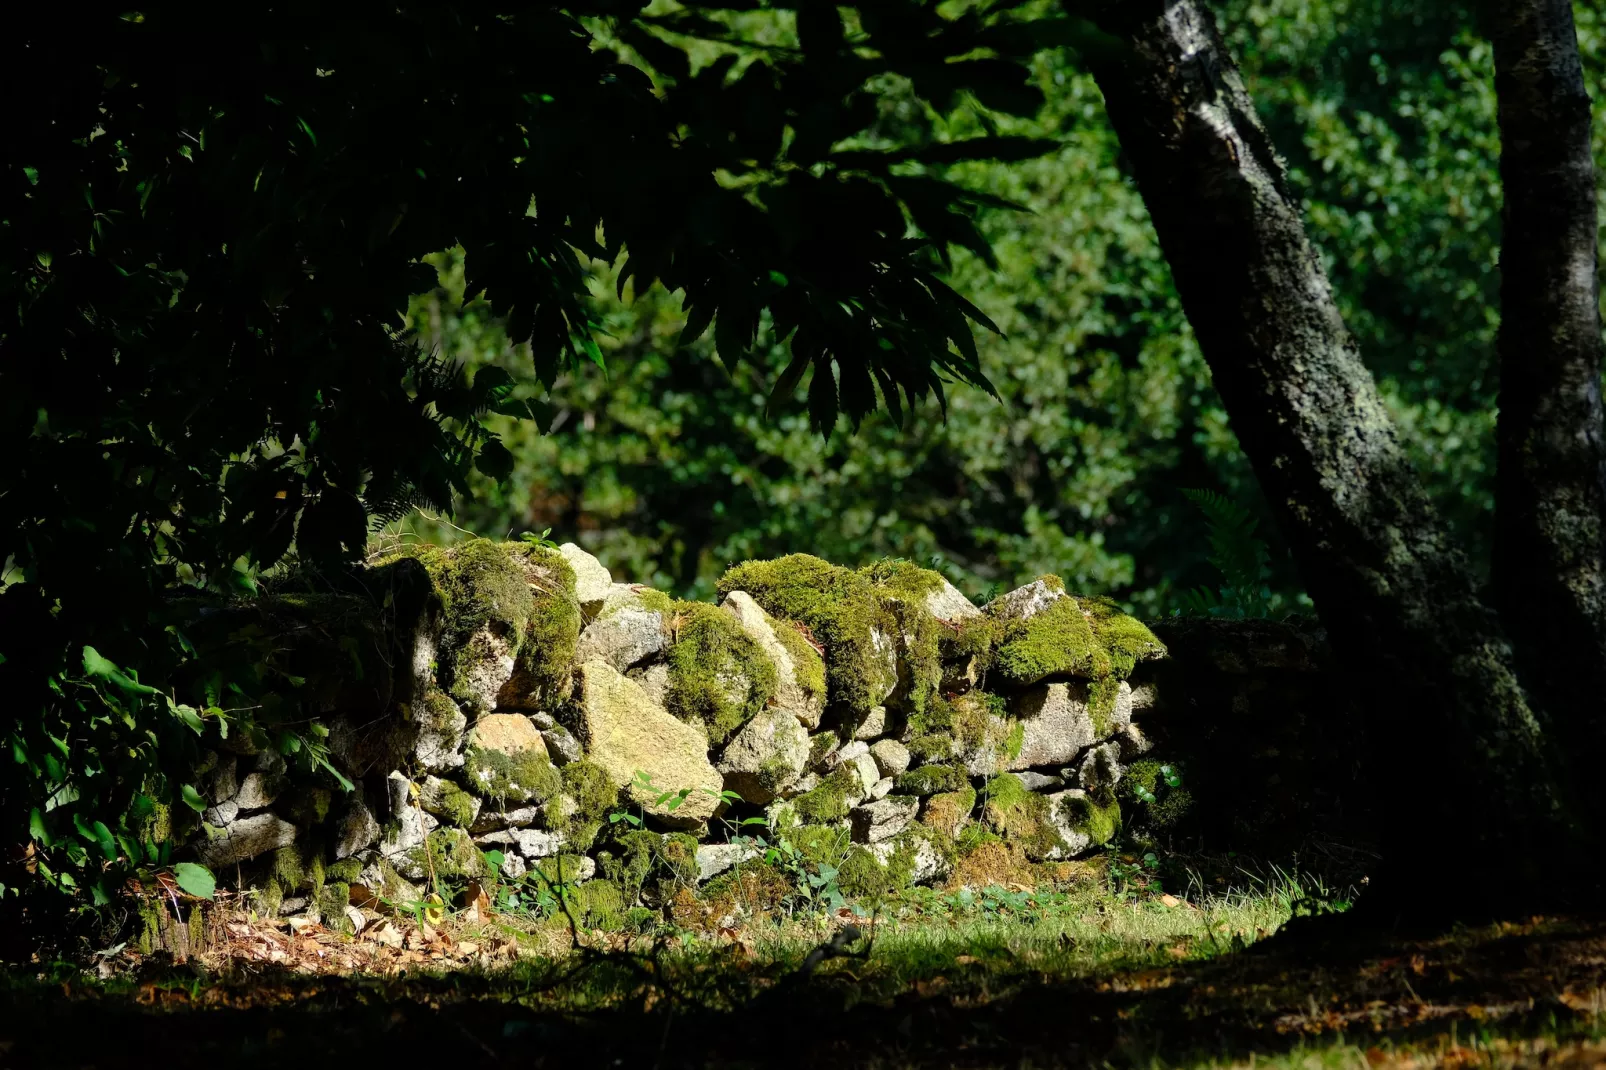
(522, 707)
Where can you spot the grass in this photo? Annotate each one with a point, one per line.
(1110, 971)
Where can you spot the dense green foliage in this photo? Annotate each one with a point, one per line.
(205, 253)
(668, 469)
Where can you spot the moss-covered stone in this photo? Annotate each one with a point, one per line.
(451, 804)
(949, 812)
(546, 656)
(821, 745)
(598, 904)
(1098, 817)
(718, 675)
(829, 800)
(594, 793)
(448, 854)
(808, 664)
(347, 871)
(486, 609)
(1059, 641)
(332, 900)
(842, 610)
(819, 845)
(1023, 818)
(521, 776)
(905, 589)
(931, 780)
(640, 860)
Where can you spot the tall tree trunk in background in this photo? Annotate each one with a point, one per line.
(1550, 505)
(1464, 762)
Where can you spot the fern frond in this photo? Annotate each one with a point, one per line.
(1237, 554)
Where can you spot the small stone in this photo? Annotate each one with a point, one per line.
(1076, 839)
(929, 865)
(224, 782)
(766, 757)
(271, 761)
(357, 830)
(867, 776)
(883, 819)
(1032, 780)
(508, 733)
(531, 843)
(246, 838)
(592, 582)
(561, 746)
(654, 679)
(1024, 603)
(883, 788)
(258, 790)
(292, 905)
(440, 725)
(891, 757)
(847, 753)
(874, 725)
(715, 858)
(625, 632)
(513, 866)
(1101, 769)
(221, 814)
(1133, 742)
(949, 604)
(447, 801)
(543, 721)
(495, 820)
(356, 918)
(484, 666)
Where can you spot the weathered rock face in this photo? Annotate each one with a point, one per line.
(246, 839)
(767, 757)
(882, 819)
(799, 687)
(592, 582)
(1056, 725)
(626, 733)
(949, 604)
(1024, 603)
(625, 632)
(507, 759)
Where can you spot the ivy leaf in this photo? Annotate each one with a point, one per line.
(195, 879)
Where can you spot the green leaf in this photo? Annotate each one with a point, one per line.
(195, 879)
(495, 460)
(190, 717)
(192, 798)
(36, 827)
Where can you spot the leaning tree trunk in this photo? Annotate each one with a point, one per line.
(1550, 504)
(1463, 760)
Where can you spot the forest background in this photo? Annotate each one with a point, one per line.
(667, 468)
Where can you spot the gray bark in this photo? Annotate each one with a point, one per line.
(1433, 669)
(1550, 538)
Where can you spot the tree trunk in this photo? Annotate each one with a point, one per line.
(1550, 505)
(1466, 765)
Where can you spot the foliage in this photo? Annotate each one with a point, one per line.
(204, 251)
(1237, 554)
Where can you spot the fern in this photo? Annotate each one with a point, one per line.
(1237, 554)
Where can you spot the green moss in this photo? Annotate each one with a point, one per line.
(593, 790)
(679, 851)
(1059, 641)
(598, 904)
(1052, 582)
(639, 857)
(820, 746)
(931, 780)
(307, 805)
(819, 844)
(808, 667)
(1021, 817)
(450, 854)
(315, 871)
(640, 919)
(840, 607)
(332, 901)
(547, 653)
(904, 588)
(519, 777)
(972, 637)
(440, 712)
(270, 897)
(288, 868)
(963, 720)
(827, 801)
(1125, 639)
(481, 587)
(862, 876)
(932, 747)
(949, 811)
(1099, 819)
(347, 870)
(453, 805)
(718, 675)
(1170, 804)
(1015, 740)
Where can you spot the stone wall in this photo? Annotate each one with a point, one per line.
(512, 704)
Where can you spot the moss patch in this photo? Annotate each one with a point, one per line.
(718, 676)
(904, 588)
(519, 777)
(1098, 818)
(1059, 641)
(949, 812)
(808, 667)
(332, 900)
(827, 801)
(547, 654)
(932, 780)
(1023, 818)
(451, 855)
(841, 608)
(482, 588)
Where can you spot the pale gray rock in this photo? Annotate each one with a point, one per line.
(625, 632)
(531, 843)
(891, 757)
(543, 720)
(270, 761)
(1024, 603)
(766, 757)
(438, 797)
(884, 651)
(846, 753)
(357, 830)
(874, 725)
(221, 814)
(1032, 780)
(410, 823)
(441, 725)
(715, 858)
(246, 838)
(1076, 838)
(561, 746)
(883, 788)
(513, 866)
(1133, 742)
(929, 864)
(592, 583)
(654, 680)
(259, 790)
(495, 820)
(882, 819)
(1056, 722)
(224, 782)
(1101, 768)
(484, 666)
(866, 776)
(760, 627)
(949, 604)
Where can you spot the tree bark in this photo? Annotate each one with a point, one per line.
(1550, 506)
(1466, 764)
